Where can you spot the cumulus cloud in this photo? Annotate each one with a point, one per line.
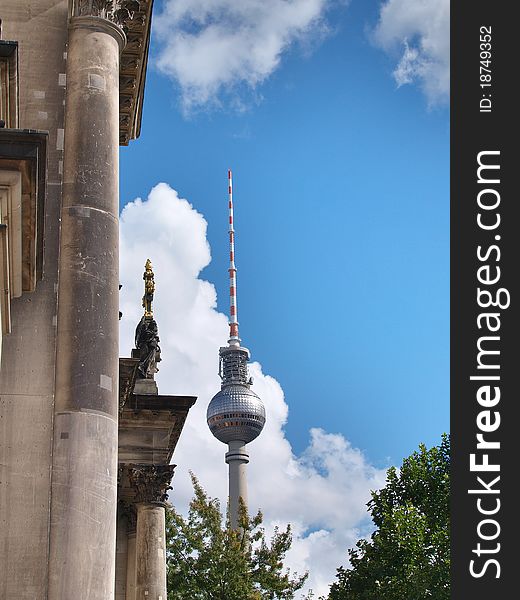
(323, 491)
(418, 31)
(213, 48)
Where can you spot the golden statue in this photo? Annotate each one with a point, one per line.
(149, 289)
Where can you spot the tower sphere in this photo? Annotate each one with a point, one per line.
(236, 413)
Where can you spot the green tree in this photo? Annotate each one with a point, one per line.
(408, 555)
(208, 560)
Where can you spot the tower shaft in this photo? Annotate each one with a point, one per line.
(237, 459)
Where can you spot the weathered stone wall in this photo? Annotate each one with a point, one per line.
(28, 357)
(121, 558)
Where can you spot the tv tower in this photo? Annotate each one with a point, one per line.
(236, 415)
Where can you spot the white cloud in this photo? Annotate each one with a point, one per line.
(322, 492)
(212, 48)
(420, 30)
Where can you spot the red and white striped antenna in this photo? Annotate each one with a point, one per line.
(234, 340)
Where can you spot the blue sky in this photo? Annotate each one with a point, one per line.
(341, 207)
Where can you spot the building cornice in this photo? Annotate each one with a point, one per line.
(132, 78)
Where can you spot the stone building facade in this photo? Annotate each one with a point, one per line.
(85, 441)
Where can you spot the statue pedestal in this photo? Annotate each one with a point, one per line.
(145, 386)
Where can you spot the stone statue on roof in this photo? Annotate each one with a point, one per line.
(147, 332)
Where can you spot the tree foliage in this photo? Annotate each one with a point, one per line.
(408, 555)
(208, 560)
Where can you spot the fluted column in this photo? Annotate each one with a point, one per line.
(151, 484)
(237, 459)
(84, 470)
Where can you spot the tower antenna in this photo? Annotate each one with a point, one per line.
(234, 340)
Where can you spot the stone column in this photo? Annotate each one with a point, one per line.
(152, 484)
(84, 469)
(237, 459)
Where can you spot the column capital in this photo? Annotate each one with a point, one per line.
(151, 482)
(119, 12)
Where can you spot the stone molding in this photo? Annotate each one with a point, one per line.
(127, 376)
(9, 89)
(151, 483)
(23, 185)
